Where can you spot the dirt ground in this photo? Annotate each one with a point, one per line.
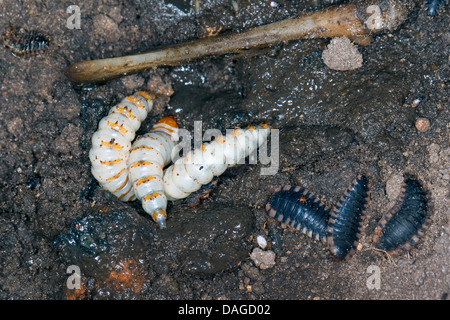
(333, 125)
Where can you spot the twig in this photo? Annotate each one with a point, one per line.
(354, 20)
(390, 259)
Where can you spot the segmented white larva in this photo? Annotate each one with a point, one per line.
(149, 155)
(111, 144)
(199, 166)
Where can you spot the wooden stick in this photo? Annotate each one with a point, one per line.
(355, 20)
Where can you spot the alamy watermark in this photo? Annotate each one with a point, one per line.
(374, 280)
(233, 148)
(74, 280)
(74, 20)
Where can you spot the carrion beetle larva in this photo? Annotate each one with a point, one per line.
(406, 222)
(432, 6)
(23, 42)
(345, 223)
(299, 208)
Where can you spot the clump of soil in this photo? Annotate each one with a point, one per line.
(342, 55)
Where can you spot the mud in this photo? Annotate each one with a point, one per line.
(333, 125)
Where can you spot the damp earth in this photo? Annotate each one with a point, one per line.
(332, 125)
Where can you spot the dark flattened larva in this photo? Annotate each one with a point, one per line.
(23, 42)
(299, 208)
(345, 224)
(432, 6)
(406, 222)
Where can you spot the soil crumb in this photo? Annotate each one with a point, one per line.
(342, 55)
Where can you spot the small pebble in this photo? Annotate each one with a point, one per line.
(263, 259)
(262, 243)
(274, 4)
(416, 102)
(394, 186)
(422, 124)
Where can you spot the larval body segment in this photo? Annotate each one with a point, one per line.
(149, 155)
(199, 166)
(111, 144)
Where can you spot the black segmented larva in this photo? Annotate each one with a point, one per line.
(199, 166)
(398, 231)
(405, 223)
(149, 155)
(300, 209)
(111, 144)
(345, 223)
(24, 42)
(432, 6)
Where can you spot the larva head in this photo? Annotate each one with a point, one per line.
(168, 120)
(147, 95)
(168, 125)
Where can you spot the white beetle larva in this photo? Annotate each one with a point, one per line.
(149, 155)
(199, 166)
(111, 144)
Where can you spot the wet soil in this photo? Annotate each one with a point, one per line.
(333, 125)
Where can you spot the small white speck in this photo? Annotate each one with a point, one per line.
(262, 243)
